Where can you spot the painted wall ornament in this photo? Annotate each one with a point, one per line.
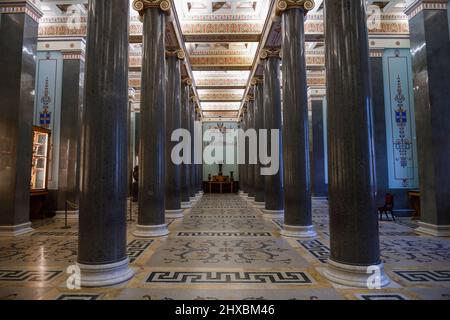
(400, 124)
(45, 116)
(402, 144)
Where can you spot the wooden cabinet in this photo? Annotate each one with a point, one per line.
(414, 197)
(39, 170)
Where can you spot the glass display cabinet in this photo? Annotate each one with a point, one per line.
(39, 167)
(39, 171)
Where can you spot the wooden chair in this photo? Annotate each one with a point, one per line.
(387, 208)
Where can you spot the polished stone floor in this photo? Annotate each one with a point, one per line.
(224, 249)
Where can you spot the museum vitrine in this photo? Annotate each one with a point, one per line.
(39, 167)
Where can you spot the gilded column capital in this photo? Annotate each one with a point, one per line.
(193, 99)
(176, 53)
(283, 5)
(141, 5)
(270, 53)
(249, 98)
(257, 80)
(187, 81)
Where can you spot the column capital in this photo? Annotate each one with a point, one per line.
(29, 7)
(417, 6)
(283, 5)
(187, 81)
(176, 53)
(141, 5)
(257, 80)
(193, 99)
(131, 94)
(249, 98)
(270, 53)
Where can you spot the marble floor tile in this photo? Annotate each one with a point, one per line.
(223, 248)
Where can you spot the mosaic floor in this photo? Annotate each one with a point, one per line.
(224, 249)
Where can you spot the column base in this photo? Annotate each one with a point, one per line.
(433, 230)
(250, 199)
(192, 199)
(17, 230)
(272, 214)
(174, 214)
(354, 276)
(244, 194)
(151, 231)
(201, 193)
(186, 205)
(298, 231)
(61, 214)
(104, 275)
(259, 205)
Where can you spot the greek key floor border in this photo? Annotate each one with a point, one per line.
(198, 277)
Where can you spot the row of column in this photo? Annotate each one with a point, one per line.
(165, 188)
(353, 222)
(103, 159)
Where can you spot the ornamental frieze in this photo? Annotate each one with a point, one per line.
(221, 61)
(59, 26)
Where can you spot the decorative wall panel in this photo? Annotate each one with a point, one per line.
(47, 109)
(400, 119)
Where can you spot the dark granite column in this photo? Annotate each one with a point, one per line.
(173, 122)
(241, 165)
(244, 169)
(71, 107)
(318, 184)
(200, 165)
(18, 41)
(185, 168)
(296, 158)
(250, 167)
(258, 112)
(272, 121)
(152, 159)
(131, 141)
(430, 47)
(193, 191)
(353, 221)
(102, 255)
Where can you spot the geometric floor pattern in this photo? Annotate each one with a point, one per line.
(223, 248)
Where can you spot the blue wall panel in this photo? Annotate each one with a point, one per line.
(400, 119)
(47, 109)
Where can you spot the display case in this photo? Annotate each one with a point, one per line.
(39, 167)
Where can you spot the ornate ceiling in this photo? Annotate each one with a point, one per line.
(222, 40)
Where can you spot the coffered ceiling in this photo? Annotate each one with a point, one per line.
(223, 39)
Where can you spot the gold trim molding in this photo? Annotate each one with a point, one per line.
(283, 5)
